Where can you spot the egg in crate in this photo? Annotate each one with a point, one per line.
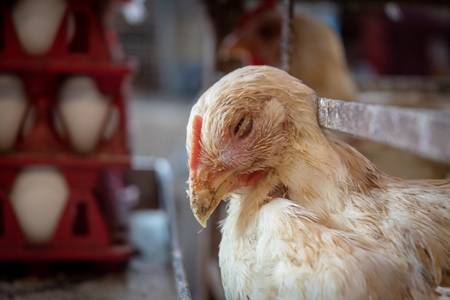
(38, 197)
(83, 113)
(37, 23)
(13, 105)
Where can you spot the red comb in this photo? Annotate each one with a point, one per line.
(196, 138)
(263, 6)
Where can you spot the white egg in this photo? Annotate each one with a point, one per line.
(37, 22)
(83, 111)
(13, 105)
(38, 198)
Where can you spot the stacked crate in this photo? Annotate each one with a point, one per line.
(70, 124)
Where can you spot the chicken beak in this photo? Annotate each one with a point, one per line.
(206, 189)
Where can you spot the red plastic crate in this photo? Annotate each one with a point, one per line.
(85, 230)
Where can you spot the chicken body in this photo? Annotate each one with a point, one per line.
(317, 54)
(308, 216)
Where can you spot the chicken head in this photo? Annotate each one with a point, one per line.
(238, 130)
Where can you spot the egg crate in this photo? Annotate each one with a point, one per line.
(86, 227)
(41, 127)
(82, 46)
(81, 40)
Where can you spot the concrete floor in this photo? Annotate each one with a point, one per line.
(142, 280)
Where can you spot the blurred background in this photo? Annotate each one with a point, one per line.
(396, 53)
(159, 56)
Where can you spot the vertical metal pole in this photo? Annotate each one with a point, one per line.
(286, 33)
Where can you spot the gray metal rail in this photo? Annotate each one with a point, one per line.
(425, 132)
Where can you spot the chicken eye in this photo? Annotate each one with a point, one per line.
(238, 126)
(243, 127)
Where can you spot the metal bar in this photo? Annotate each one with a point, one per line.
(164, 172)
(424, 132)
(286, 33)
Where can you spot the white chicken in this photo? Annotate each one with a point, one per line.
(308, 216)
